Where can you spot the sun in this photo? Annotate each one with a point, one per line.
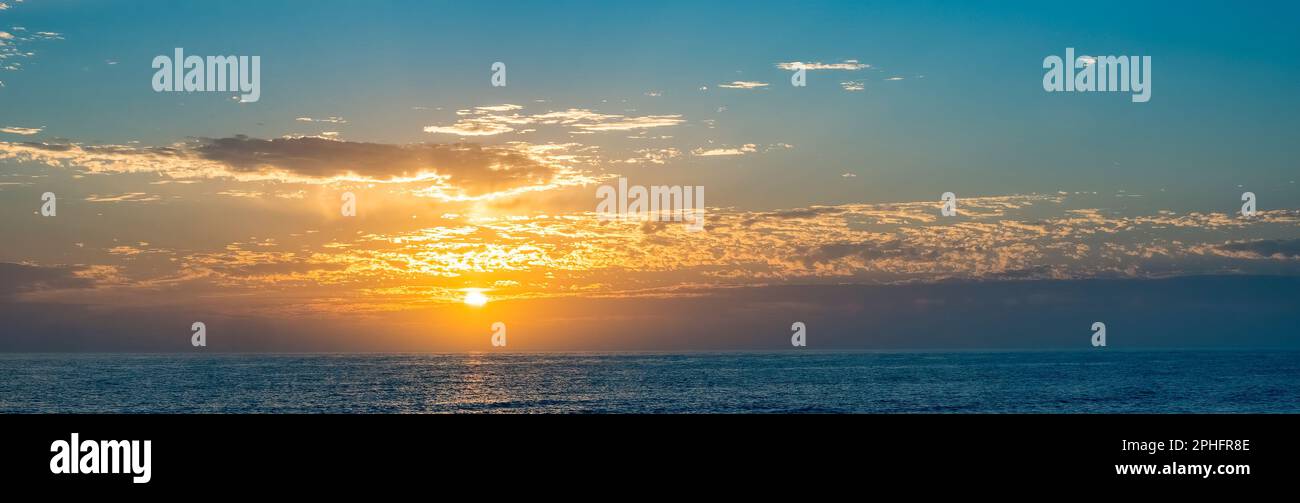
(474, 297)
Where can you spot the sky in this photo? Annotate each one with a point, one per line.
(823, 202)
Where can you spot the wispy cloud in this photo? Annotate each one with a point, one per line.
(847, 65)
(471, 127)
(747, 148)
(501, 119)
(743, 84)
(651, 156)
(329, 120)
(14, 46)
(132, 197)
(25, 131)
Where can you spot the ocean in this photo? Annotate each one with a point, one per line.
(1099, 381)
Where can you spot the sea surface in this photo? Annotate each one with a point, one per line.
(787, 382)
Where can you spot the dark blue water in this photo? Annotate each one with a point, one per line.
(1069, 382)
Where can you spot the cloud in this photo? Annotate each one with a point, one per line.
(132, 197)
(529, 255)
(501, 119)
(621, 123)
(14, 46)
(329, 120)
(471, 128)
(651, 156)
(175, 161)
(848, 65)
(1279, 249)
(1000, 238)
(130, 251)
(500, 108)
(747, 148)
(250, 194)
(743, 84)
(475, 169)
(17, 279)
(853, 85)
(25, 131)
(445, 171)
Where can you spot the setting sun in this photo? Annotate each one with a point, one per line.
(474, 297)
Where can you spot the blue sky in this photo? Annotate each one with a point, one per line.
(970, 110)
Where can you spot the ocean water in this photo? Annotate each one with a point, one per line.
(799, 382)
